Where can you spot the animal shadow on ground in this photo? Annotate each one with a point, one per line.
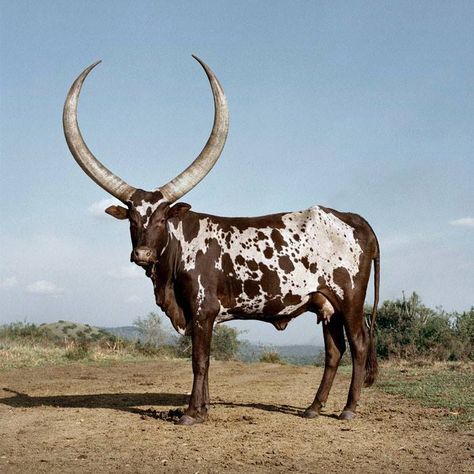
(129, 402)
(285, 409)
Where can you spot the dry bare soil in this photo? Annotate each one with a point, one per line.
(84, 418)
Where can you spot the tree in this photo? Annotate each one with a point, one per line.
(150, 329)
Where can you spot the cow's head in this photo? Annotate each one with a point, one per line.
(148, 214)
(147, 211)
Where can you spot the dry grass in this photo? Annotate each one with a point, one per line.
(18, 353)
(15, 354)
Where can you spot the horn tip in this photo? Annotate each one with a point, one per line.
(202, 63)
(92, 66)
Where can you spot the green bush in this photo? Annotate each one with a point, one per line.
(407, 329)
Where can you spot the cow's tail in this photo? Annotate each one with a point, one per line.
(371, 365)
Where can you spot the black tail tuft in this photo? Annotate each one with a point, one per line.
(371, 364)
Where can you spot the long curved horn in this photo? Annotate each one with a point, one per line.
(199, 168)
(86, 160)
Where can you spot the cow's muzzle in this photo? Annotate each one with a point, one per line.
(143, 256)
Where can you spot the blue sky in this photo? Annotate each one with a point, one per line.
(361, 106)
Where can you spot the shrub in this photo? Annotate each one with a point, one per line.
(150, 350)
(78, 351)
(407, 329)
(271, 357)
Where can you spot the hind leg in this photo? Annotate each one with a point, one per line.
(335, 346)
(358, 337)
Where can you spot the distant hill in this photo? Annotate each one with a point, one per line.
(131, 333)
(71, 330)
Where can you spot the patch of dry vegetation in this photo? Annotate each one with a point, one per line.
(28, 345)
(18, 353)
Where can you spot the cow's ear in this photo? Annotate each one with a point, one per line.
(118, 212)
(178, 210)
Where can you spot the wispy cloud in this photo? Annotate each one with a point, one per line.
(8, 282)
(126, 272)
(44, 287)
(464, 222)
(97, 208)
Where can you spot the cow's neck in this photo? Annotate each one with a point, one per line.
(163, 274)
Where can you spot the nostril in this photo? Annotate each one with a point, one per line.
(142, 254)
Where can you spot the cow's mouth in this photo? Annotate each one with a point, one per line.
(149, 270)
(144, 263)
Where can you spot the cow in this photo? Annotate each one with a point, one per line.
(207, 269)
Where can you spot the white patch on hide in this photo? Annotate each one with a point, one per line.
(313, 235)
(142, 209)
(201, 294)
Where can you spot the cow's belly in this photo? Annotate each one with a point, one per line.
(265, 298)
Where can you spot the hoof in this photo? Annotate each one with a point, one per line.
(347, 415)
(308, 413)
(187, 420)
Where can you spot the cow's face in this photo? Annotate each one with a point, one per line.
(148, 213)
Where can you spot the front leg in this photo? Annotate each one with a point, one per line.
(201, 340)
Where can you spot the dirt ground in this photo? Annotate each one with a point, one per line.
(85, 418)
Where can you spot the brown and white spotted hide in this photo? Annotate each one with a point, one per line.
(271, 268)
